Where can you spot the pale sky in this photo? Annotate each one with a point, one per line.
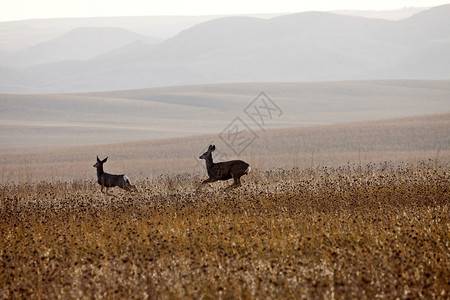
(31, 9)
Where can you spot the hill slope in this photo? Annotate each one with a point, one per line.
(301, 47)
(79, 44)
(92, 118)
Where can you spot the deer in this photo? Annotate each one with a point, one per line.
(224, 170)
(109, 180)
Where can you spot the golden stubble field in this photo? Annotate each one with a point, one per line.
(354, 232)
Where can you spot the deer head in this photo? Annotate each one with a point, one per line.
(100, 163)
(208, 152)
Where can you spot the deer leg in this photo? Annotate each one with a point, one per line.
(209, 180)
(131, 188)
(236, 183)
(126, 185)
(108, 193)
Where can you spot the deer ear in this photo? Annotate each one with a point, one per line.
(98, 159)
(213, 147)
(103, 161)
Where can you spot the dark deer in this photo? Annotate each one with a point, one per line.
(224, 170)
(109, 180)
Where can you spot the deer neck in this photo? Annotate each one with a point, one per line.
(100, 171)
(209, 162)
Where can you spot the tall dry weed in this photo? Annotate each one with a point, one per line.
(365, 232)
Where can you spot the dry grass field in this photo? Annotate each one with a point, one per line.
(348, 211)
(350, 232)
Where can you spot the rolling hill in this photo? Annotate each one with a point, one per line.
(312, 46)
(397, 14)
(79, 44)
(19, 35)
(131, 115)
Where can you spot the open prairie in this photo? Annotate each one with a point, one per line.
(360, 232)
(351, 210)
(331, 172)
(357, 210)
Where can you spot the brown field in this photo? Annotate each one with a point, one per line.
(348, 211)
(353, 232)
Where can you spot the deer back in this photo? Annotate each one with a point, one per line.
(110, 180)
(228, 169)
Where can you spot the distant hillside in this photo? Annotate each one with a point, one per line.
(396, 14)
(123, 116)
(79, 44)
(311, 46)
(18, 35)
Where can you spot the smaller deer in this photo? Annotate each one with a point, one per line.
(109, 180)
(224, 170)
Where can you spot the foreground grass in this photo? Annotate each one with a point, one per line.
(373, 232)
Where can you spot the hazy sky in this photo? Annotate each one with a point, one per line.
(30, 9)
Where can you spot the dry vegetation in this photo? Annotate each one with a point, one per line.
(377, 231)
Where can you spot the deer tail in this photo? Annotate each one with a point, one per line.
(125, 178)
(248, 170)
(128, 183)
